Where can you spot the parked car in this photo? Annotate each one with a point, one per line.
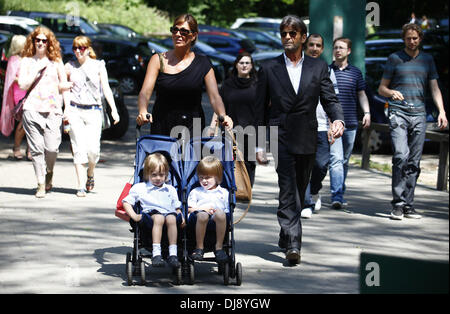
(271, 25)
(62, 24)
(125, 59)
(228, 44)
(119, 30)
(17, 25)
(224, 31)
(263, 40)
(116, 131)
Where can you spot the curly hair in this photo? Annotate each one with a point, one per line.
(53, 47)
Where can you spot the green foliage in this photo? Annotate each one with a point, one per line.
(132, 13)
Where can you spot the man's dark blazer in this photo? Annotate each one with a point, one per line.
(296, 113)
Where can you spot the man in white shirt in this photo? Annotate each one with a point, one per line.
(314, 48)
(292, 84)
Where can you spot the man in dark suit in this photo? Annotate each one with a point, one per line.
(289, 88)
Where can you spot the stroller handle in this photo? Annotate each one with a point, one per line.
(138, 127)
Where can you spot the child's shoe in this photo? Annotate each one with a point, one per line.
(173, 261)
(197, 255)
(221, 256)
(157, 261)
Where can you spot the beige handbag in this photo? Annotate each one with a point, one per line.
(241, 177)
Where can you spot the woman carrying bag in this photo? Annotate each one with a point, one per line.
(42, 75)
(83, 110)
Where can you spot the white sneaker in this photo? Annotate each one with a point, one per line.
(317, 201)
(306, 213)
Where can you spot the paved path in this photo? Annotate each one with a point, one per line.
(65, 244)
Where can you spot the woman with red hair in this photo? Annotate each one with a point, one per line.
(42, 75)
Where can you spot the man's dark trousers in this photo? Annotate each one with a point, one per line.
(294, 171)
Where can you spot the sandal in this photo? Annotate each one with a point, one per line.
(17, 154)
(81, 193)
(48, 181)
(90, 183)
(197, 255)
(29, 157)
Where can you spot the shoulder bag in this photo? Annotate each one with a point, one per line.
(241, 177)
(106, 121)
(18, 109)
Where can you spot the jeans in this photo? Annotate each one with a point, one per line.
(320, 167)
(340, 153)
(408, 137)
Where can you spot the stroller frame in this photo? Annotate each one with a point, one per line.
(180, 170)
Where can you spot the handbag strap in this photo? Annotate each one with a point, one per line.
(89, 83)
(216, 131)
(35, 82)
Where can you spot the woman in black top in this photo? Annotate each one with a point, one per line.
(178, 76)
(238, 93)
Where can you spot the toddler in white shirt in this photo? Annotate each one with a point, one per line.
(160, 203)
(209, 201)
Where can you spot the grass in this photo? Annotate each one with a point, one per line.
(385, 168)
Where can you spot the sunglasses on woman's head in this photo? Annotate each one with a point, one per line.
(81, 49)
(183, 32)
(44, 41)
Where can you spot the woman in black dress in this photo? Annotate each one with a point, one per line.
(238, 93)
(178, 76)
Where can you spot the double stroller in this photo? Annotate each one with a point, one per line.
(183, 159)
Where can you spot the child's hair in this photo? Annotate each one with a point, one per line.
(155, 162)
(211, 166)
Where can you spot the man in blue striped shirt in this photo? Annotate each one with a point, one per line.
(351, 86)
(404, 82)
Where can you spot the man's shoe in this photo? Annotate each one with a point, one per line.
(157, 261)
(306, 213)
(397, 213)
(410, 212)
(293, 256)
(317, 201)
(282, 244)
(336, 205)
(173, 261)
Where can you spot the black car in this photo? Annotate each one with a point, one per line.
(228, 44)
(126, 60)
(262, 39)
(119, 30)
(62, 24)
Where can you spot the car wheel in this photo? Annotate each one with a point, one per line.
(128, 85)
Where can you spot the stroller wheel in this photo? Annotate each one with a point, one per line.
(226, 274)
(191, 273)
(178, 275)
(129, 269)
(142, 271)
(238, 274)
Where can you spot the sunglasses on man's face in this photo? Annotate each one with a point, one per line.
(81, 49)
(183, 32)
(37, 40)
(292, 34)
